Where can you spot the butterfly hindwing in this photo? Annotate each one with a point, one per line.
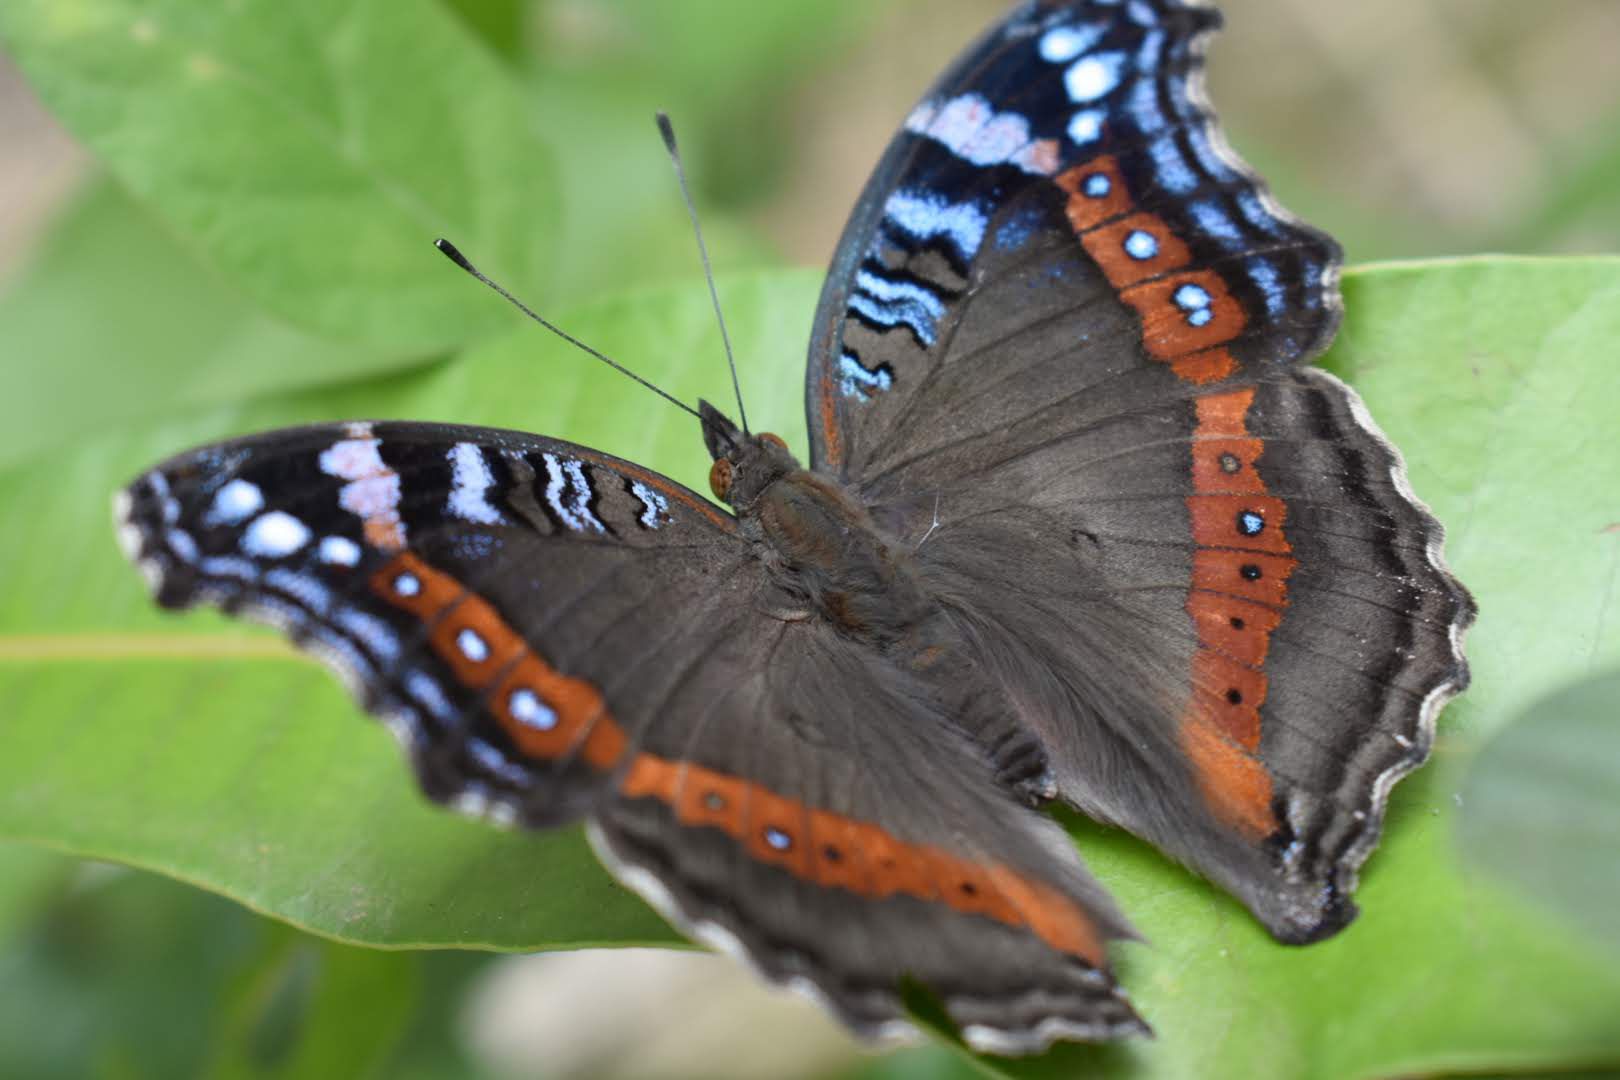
(818, 814)
(1063, 349)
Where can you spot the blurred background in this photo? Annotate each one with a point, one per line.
(1408, 128)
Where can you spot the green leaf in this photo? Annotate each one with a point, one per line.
(198, 748)
(1541, 805)
(133, 975)
(73, 317)
(311, 151)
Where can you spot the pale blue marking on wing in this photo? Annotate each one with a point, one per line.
(1086, 126)
(1141, 245)
(1142, 14)
(1143, 103)
(471, 479)
(1265, 275)
(1189, 297)
(1213, 221)
(1170, 168)
(1256, 214)
(229, 566)
(301, 587)
(1195, 301)
(235, 503)
(339, 551)
(1014, 232)
(372, 632)
(1061, 44)
(493, 761)
(274, 535)
(472, 645)
(430, 695)
(181, 543)
(926, 215)
(1094, 77)
(900, 292)
(564, 476)
(652, 503)
(859, 383)
(892, 314)
(530, 710)
(1210, 158)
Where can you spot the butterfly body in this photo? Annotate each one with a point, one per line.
(1078, 521)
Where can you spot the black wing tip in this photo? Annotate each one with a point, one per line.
(140, 521)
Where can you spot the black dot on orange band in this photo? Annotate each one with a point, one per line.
(832, 854)
(1237, 623)
(1235, 696)
(1250, 572)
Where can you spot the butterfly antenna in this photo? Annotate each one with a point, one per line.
(454, 254)
(667, 130)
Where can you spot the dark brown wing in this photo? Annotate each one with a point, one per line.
(1065, 340)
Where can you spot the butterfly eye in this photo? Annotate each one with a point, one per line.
(775, 440)
(720, 477)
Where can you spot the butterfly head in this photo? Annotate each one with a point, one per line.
(744, 464)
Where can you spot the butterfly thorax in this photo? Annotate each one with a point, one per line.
(824, 551)
(823, 547)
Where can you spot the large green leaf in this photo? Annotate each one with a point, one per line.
(111, 290)
(1541, 807)
(131, 975)
(309, 150)
(202, 750)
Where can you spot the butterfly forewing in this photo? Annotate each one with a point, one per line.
(488, 593)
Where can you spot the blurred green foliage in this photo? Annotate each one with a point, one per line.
(253, 251)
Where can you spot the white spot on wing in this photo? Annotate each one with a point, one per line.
(339, 551)
(530, 710)
(565, 477)
(234, 503)
(969, 127)
(274, 535)
(351, 459)
(471, 480)
(1094, 76)
(654, 506)
(1063, 43)
(1086, 126)
(1141, 245)
(472, 646)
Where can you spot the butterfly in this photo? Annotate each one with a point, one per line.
(1079, 522)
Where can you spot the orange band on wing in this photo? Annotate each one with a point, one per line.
(1187, 315)
(549, 715)
(1240, 571)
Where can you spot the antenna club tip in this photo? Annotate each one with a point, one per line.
(452, 253)
(666, 129)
